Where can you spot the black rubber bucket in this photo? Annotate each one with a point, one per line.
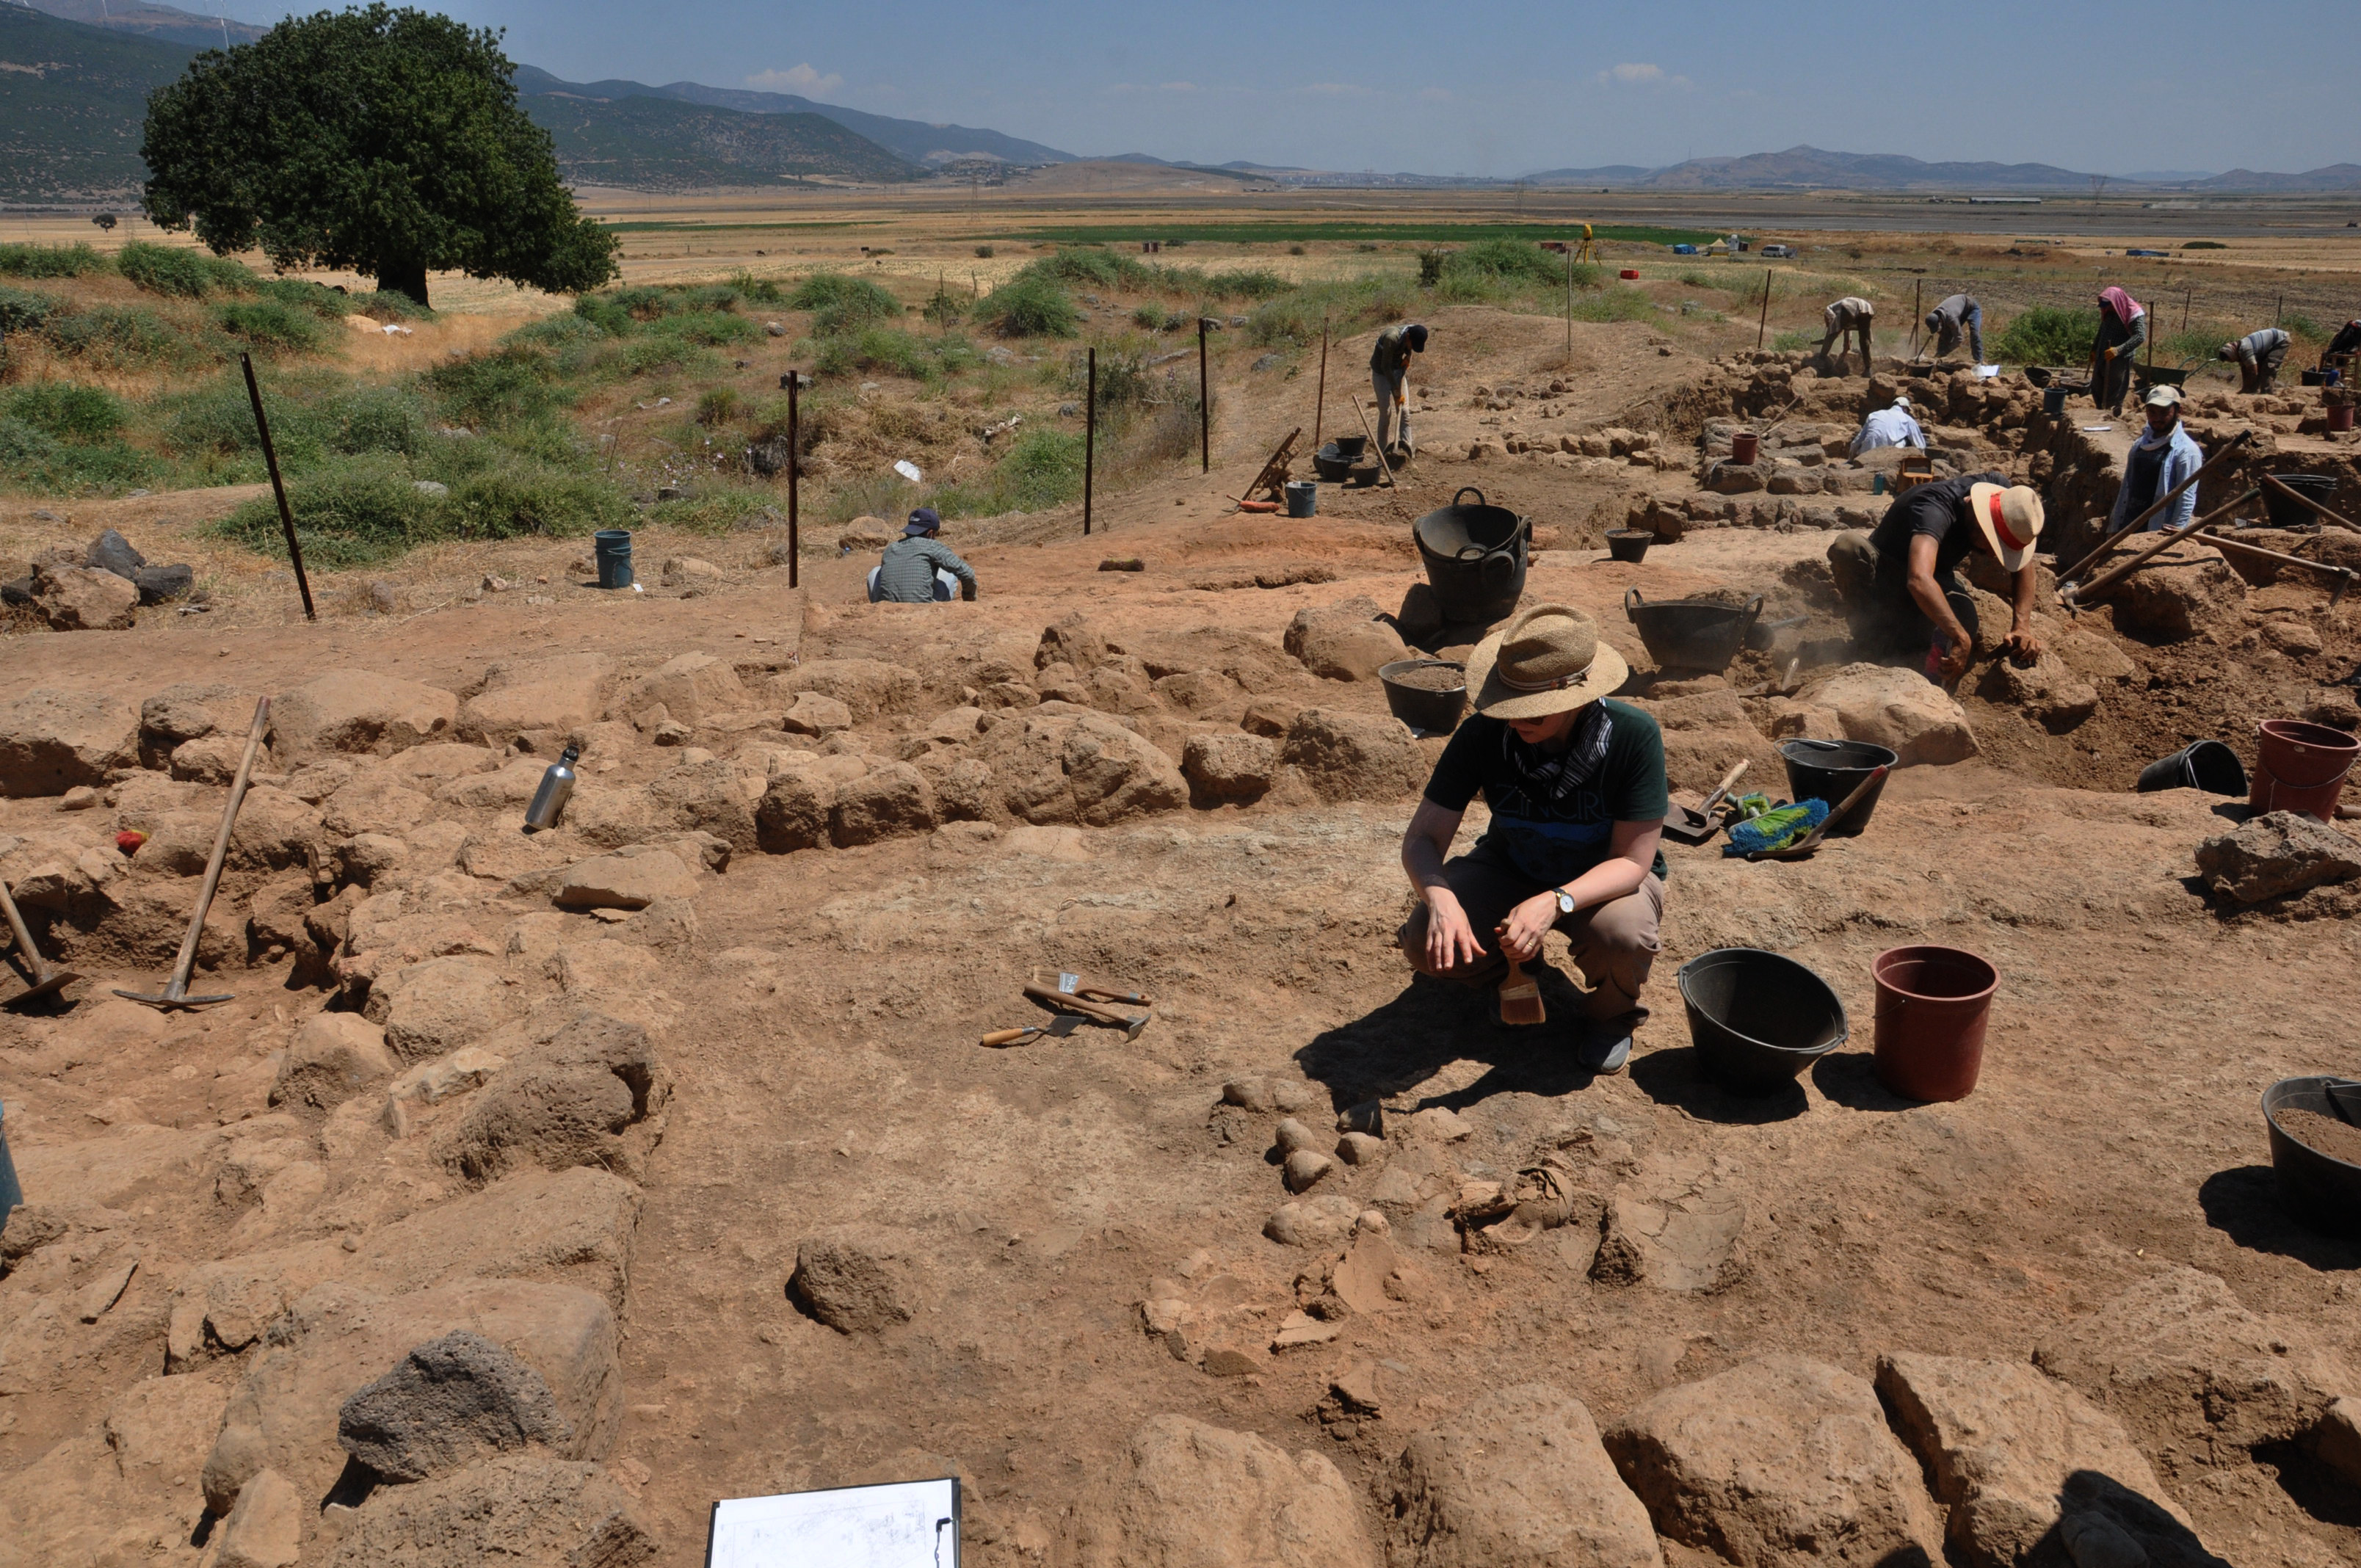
(1831, 770)
(2208, 766)
(1630, 543)
(11, 1194)
(612, 550)
(1758, 1019)
(1475, 558)
(1424, 708)
(1691, 634)
(2287, 512)
(2319, 1188)
(1351, 448)
(1334, 464)
(2053, 402)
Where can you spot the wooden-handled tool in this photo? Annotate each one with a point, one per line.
(1064, 1024)
(1687, 826)
(1131, 1024)
(176, 991)
(46, 976)
(1521, 997)
(1803, 847)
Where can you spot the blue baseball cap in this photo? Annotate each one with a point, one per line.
(926, 520)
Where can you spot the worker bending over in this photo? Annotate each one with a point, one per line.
(918, 568)
(1889, 427)
(2164, 455)
(1389, 373)
(1958, 314)
(2122, 327)
(2259, 355)
(1576, 785)
(1899, 582)
(2346, 341)
(1848, 316)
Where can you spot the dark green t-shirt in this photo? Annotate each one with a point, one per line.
(1555, 841)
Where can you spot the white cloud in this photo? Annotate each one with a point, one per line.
(1434, 95)
(1337, 89)
(795, 79)
(1635, 74)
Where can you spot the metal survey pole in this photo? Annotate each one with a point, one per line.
(1917, 291)
(1320, 402)
(1569, 306)
(795, 484)
(1090, 435)
(1764, 325)
(279, 488)
(1205, 406)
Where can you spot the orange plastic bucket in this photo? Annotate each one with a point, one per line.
(2301, 767)
(1932, 1005)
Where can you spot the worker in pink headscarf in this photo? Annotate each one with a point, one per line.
(2122, 327)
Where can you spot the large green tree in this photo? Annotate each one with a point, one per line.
(388, 141)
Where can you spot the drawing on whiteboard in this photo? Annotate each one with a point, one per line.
(901, 1524)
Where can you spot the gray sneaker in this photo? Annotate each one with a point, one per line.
(1603, 1048)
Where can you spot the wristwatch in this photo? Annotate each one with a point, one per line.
(1565, 901)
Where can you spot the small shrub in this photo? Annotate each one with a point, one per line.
(2205, 245)
(302, 295)
(717, 406)
(662, 352)
(376, 418)
(1149, 318)
(843, 302)
(1029, 305)
(385, 307)
(271, 326)
(714, 329)
(1504, 260)
(944, 308)
(21, 309)
(718, 509)
(33, 459)
(1295, 251)
(170, 270)
(1619, 303)
(1043, 468)
(1095, 266)
(2297, 324)
(2047, 335)
(1794, 341)
(68, 410)
(983, 252)
(353, 514)
(510, 383)
(559, 331)
(1246, 283)
(50, 261)
(758, 290)
(1294, 318)
(1429, 267)
(513, 500)
(123, 337)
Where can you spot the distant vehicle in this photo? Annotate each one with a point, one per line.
(1781, 251)
(2147, 253)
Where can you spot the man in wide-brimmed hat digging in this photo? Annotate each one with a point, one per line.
(1576, 785)
(1899, 584)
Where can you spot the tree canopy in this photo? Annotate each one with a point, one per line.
(387, 141)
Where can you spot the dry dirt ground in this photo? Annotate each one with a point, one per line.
(1038, 1257)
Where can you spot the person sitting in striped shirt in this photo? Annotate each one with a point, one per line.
(918, 568)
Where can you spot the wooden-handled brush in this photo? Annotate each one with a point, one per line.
(1521, 997)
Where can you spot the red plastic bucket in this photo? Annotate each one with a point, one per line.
(1932, 1003)
(1744, 447)
(2301, 767)
(1630, 275)
(2340, 416)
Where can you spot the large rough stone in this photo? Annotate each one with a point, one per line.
(450, 1401)
(265, 1528)
(1344, 641)
(1220, 767)
(692, 688)
(2178, 1359)
(52, 740)
(358, 711)
(626, 881)
(2011, 1452)
(1062, 763)
(2276, 854)
(1313, 1222)
(2183, 592)
(2050, 693)
(84, 599)
(813, 714)
(1899, 709)
(429, 1008)
(1673, 1227)
(1192, 1495)
(1777, 1461)
(1516, 1480)
(337, 1339)
(528, 1509)
(563, 1103)
(858, 1279)
(564, 693)
(867, 687)
(890, 802)
(794, 812)
(1354, 756)
(110, 552)
(333, 1057)
(158, 584)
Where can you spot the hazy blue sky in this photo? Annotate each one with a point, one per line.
(1507, 88)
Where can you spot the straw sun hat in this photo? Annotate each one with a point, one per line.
(2009, 519)
(1550, 658)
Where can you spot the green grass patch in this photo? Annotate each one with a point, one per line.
(894, 352)
(50, 261)
(33, 459)
(2047, 335)
(127, 337)
(67, 409)
(513, 384)
(22, 309)
(1042, 469)
(1794, 341)
(1029, 305)
(271, 326)
(843, 302)
(1294, 319)
(190, 274)
(713, 329)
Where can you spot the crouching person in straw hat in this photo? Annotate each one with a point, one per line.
(1575, 786)
(1900, 584)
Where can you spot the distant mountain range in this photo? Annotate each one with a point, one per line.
(662, 144)
(73, 101)
(1811, 169)
(914, 141)
(167, 24)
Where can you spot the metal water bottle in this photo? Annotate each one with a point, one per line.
(556, 786)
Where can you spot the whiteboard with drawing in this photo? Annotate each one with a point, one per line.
(903, 1524)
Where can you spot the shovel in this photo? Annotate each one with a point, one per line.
(46, 976)
(176, 992)
(1687, 826)
(1057, 1028)
(1803, 847)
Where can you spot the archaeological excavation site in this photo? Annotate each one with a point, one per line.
(571, 1031)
